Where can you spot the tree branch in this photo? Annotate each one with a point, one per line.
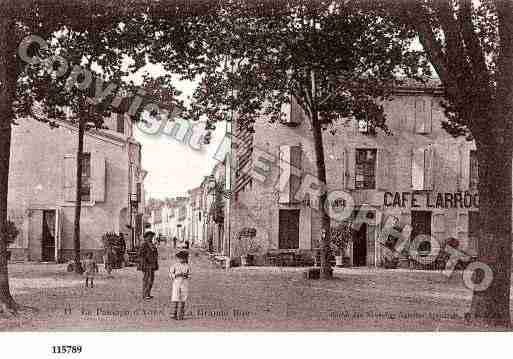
(458, 66)
(474, 49)
(416, 16)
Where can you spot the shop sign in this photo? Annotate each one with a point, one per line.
(444, 200)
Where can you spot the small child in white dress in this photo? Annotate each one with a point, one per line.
(180, 273)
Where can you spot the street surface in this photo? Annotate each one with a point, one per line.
(252, 298)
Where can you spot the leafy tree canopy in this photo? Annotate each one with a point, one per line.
(253, 56)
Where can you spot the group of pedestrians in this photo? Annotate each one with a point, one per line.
(179, 273)
(148, 263)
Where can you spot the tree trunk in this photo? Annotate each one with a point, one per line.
(491, 306)
(7, 91)
(78, 193)
(326, 272)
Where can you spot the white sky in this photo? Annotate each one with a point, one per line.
(174, 167)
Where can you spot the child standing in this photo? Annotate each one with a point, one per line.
(90, 268)
(180, 273)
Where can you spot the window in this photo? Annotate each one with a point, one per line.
(85, 191)
(363, 126)
(423, 116)
(120, 123)
(474, 171)
(365, 169)
(366, 127)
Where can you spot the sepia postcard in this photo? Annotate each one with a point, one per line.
(255, 165)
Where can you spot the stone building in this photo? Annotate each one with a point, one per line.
(206, 203)
(419, 174)
(212, 201)
(196, 216)
(41, 198)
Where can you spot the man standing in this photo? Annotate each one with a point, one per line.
(148, 263)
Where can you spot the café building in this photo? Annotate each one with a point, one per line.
(419, 174)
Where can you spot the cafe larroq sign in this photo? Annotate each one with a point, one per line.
(439, 200)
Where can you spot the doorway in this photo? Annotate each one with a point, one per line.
(220, 236)
(288, 237)
(421, 224)
(360, 246)
(48, 236)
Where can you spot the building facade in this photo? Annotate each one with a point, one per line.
(196, 216)
(41, 200)
(418, 174)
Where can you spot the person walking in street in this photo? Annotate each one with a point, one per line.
(174, 241)
(148, 263)
(90, 268)
(180, 274)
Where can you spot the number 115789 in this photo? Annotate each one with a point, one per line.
(66, 349)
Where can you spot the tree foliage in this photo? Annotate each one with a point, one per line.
(470, 44)
(255, 55)
(462, 40)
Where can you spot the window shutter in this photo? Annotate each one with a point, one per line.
(295, 178)
(417, 168)
(464, 173)
(462, 224)
(341, 161)
(429, 116)
(429, 168)
(422, 116)
(228, 173)
(58, 234)
(292, 112)
(461, 234)
(351, 168)
(133, 179)
(98, 177)
(70, 178)
(438, 222)
(296, 112)
(284, 157)
(382, 169)
(120, 122)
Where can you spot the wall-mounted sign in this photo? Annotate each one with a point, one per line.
(431, 200)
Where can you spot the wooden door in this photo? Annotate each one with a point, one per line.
(288, 229)
(360, 246)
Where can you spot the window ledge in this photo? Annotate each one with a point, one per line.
(72, 204)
